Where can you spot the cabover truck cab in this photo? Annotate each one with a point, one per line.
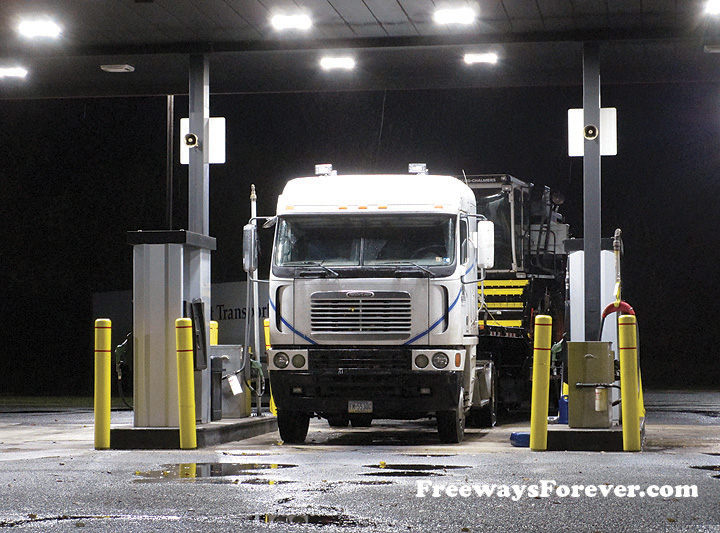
(374, 303)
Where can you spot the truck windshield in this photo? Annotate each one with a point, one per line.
(365, 240)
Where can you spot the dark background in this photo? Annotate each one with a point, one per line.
(77, 174)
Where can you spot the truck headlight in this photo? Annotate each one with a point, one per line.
(298, 360)
(421, 361)
(281, 360)
(440, 360)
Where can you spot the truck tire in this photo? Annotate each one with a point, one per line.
(451, 424)
(293, 426)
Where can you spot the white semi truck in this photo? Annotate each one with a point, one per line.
(374, 303)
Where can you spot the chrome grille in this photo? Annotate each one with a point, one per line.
(361, 312)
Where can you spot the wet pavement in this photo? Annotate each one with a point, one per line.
(361, 479)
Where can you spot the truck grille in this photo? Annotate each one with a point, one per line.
(368, 312)
(349, 359)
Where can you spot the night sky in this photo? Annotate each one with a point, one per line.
(77, 174)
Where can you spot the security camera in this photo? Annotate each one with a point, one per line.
(590, 132)
(191, 140)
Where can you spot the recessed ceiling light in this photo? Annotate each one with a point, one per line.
(117, 68)
(712, 7)
(330, 63)
(461, 15)
(39, 28)
(13, 72)
(288, 22)
(487, 57)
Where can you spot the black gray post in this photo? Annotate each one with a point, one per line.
(170, 161)
(198, 168)
(196, 282)
(591, 184)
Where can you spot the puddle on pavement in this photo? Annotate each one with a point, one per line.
(430, 455)
(409, 470)
(711, 468)
(261, 481)
(361, 483)
(211, 470)
(312, 519)
(711, 414)
(420, 466)
(402, 473)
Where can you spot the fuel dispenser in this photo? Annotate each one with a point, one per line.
(591, 376)
(171, 279)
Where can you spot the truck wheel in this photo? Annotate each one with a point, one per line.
(338, 421)
(451, 424)
(293, 426)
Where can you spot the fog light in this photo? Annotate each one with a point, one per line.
(425, 390)
(297, 390)
(421, 361)
(281, 360)
(440, 360)
(298, 360)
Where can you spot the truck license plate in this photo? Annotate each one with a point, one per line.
(360, 406)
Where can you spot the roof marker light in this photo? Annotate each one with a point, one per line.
(39, 28)
(331, 63)
(291, 22)
(117, 68)
(324, 169)
(488, 57)
(712, 7)
(13, 72)
(417, 168)
(461, 15)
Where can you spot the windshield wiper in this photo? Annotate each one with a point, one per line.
(408, 263)
(316, 264)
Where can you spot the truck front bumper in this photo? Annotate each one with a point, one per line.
(401, 395)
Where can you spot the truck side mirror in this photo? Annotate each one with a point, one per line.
(485, 244)
(250, 253)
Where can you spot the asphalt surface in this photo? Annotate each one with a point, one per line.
(360, 479)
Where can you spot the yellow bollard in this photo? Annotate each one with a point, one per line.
(103, 368)
(541, 383)
(186, 383)
(214, 333)
(266, 327)
(629, 383)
